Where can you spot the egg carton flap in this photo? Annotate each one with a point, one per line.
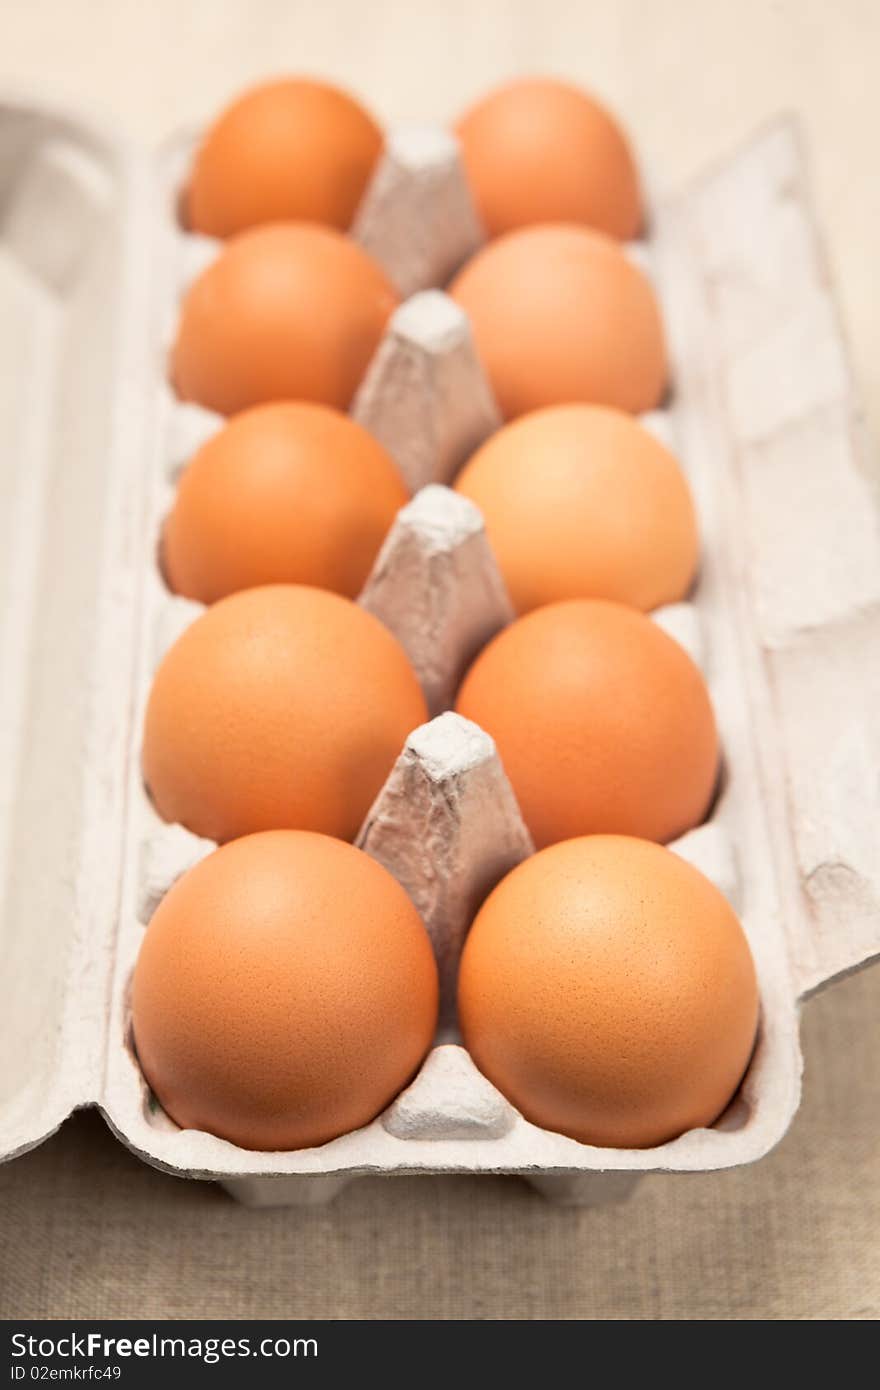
(76, 260)
(800, 485)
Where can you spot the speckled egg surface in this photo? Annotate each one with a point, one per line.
(602, 721)
(285, 150)
(289, 492)
(582, 502)
(279, 707)
(289, 311)
(540, 150)
(608, 990)
(560, 314)
(285, 992)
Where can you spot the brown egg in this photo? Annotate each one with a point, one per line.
(284, 993)
(602, 721)
(560, 315)
(279, 708)
(284, 151)
(284, 493)
(538, 150)
(289, 311)
(581, 502)
(607, 989)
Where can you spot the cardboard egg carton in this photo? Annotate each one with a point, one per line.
(784, 621)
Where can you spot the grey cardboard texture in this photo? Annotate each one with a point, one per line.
(784, 620)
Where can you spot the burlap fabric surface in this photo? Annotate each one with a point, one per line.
(85, 1229)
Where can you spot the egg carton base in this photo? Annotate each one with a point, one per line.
(564, 1189)
(785, 618)
(427, 398)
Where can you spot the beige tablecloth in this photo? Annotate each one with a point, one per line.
(85, 1229)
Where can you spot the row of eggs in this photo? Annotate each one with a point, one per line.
(286, 989)
(294, 309)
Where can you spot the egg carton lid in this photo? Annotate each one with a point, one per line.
(771, 411)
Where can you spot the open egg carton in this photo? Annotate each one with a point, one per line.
(784, 621)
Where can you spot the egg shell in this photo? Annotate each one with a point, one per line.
(607, 989)
(603, 722)
(561, 315)
(286, 150)
(285, 992)
(289, 311)
(280, 707)
(540, 150)
(582, 502)
(284, 493)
